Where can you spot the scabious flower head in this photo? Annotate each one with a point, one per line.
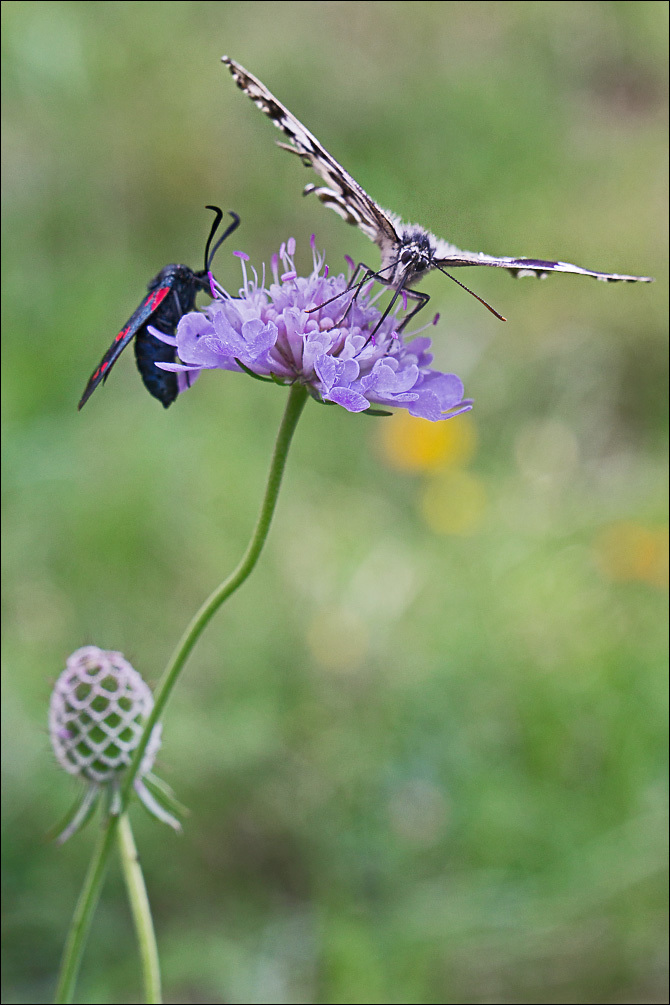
(97, 712)
(313, 331)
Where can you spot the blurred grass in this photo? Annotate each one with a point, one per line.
(423, 747)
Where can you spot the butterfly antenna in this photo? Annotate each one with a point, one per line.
(472, 293)
(209, 255)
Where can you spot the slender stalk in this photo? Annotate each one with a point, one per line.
(83, 913)
(294, 406)
(91, 890)
(141, 911)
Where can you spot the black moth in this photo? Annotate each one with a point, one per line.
(171, 294)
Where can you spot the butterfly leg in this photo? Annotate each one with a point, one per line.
(353, 284)
(357, 284)
(368, 273)
(421, 298)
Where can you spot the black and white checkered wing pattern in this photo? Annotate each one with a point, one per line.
(342, 193)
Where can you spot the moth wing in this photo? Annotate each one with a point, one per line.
(140, 317)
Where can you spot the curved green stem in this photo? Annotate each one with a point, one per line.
(89, 895)
(294, 407)
(139, 905)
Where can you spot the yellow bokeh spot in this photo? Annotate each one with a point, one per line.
(628, 551)
(411, 444)
(453, 502)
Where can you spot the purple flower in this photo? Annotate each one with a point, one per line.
(310, 330)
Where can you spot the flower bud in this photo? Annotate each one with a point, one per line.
(98, 709)
(97, 713)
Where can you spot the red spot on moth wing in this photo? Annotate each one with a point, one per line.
(158, 297)
(122, 333)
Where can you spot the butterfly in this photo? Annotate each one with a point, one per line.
(408, 251)
(170, 295)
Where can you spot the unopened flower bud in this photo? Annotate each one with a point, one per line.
(98, 709)
(97, 713)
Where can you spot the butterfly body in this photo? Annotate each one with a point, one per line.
(170, 294)
(408, 251)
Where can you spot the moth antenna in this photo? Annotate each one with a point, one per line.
(209, 255)
(217, 220)
(472, 293)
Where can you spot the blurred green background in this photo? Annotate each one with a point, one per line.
(423, 746)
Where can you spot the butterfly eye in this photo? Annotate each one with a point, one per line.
(406, 257)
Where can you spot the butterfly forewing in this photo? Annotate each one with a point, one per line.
(530, 267)
(344, 194)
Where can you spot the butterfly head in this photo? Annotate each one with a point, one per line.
(416, 256)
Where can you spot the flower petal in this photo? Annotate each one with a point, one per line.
(348, 398)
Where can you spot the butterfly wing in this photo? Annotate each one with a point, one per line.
(449, 257)
(147, 308)
(342, 192)
(344, 195)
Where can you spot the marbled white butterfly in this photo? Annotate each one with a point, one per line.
(408, 251)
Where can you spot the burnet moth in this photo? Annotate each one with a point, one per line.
(171, 294)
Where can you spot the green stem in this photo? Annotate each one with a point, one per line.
(83, 913)
(139, 905)
(294, 406)
(91, 890)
